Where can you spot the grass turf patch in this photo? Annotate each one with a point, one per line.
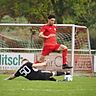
(80, 86)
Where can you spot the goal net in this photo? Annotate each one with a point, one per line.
(23, 38)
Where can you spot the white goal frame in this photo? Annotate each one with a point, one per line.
(73, 38)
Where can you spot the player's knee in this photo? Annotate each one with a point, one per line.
(64, 47)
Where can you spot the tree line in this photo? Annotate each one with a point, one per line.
(81, 12)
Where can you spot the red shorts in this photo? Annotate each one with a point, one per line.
(49, 48)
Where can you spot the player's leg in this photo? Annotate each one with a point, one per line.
(48, 75)
(54, 73)
(64, 50)
(42, 58)
(51, 78)
(44, 53)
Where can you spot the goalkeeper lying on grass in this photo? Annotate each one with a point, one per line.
(30, 72)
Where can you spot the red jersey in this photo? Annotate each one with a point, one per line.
(47, 30)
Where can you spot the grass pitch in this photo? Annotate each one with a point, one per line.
(80, 86)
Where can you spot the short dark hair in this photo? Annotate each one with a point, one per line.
(51, 16)
(24, 60)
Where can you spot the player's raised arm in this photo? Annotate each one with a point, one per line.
(40, 64)
(43, 36)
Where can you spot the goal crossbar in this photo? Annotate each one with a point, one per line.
(14, 24)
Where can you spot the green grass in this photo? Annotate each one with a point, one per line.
(80, 86)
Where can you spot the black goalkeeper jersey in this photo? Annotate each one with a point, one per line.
(31, 73)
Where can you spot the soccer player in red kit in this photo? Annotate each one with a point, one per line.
(48, 33)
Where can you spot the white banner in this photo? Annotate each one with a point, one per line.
(54, 61)
(12, 61)
(94, 63)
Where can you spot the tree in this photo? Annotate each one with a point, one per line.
(82, 12)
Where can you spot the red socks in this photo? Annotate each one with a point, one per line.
(64, 56)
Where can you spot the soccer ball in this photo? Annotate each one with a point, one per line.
(68, 78)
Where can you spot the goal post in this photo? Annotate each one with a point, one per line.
(23, 38)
